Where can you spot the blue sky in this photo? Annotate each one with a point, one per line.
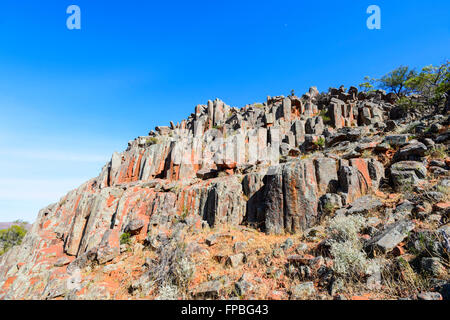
(69, 99)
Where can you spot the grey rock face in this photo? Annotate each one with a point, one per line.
(326, 172)
(405, 174)
(296, 210)
(314, 126)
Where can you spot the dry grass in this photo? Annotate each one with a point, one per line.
(400, 280)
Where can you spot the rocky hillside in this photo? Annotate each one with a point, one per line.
(337, 195)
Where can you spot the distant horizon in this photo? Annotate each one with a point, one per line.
(6, 225)
(70, 98)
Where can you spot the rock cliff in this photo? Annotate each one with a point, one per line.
(276, 169)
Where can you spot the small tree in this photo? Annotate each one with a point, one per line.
(368, 84)
(432, 84)
(395, 81)
(11, 237)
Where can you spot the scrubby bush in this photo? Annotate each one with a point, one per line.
(328, 209)
(350, 261)
(174, 268)
(399, 277)
(346, 228)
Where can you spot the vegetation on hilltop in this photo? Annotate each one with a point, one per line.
(12, 236)
(428, 87)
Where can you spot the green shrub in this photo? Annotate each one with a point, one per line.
(125, 238)
(396, 80)
(366, 154)
(431, 85)
(407, 103)
(11, 237)
(324, 114)
(329, 209)
(367, 86)
(320, 142)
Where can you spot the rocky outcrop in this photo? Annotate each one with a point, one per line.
(293, 190)
(263, 165)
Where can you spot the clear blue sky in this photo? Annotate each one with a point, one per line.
(69, 99)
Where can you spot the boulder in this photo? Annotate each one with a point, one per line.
(208, 290)
(328, 203)
(163, 130)
(405, 174)
(411, 151)
(235, 260)
(134, 226)
(345, 134)
(389, 238)
(429, 296)
(244, 286)
(364, 205)
(396, 140)
(206, 173)
(109, 247)
(432, 267)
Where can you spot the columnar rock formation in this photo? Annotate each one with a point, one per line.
(260, 165)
